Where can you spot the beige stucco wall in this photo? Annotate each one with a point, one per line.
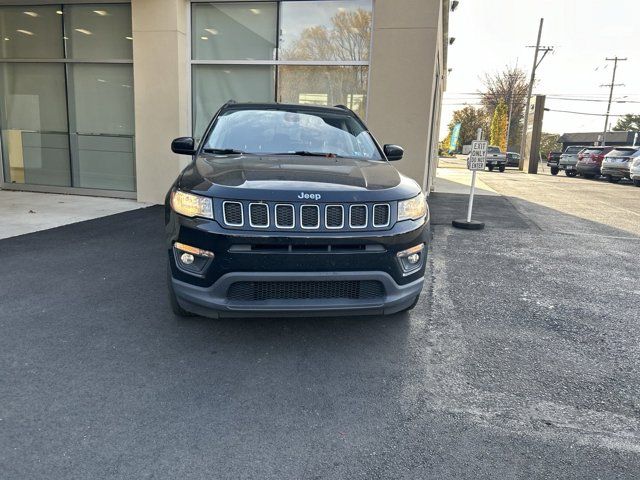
(161, 75)
(407, 39)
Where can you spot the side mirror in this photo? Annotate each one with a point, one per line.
(393, 152)
(184, 146)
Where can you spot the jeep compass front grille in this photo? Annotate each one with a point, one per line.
(305, 290)
(272, 216)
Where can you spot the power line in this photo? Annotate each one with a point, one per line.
(584, 113)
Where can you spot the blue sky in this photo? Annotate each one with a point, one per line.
(491, 34)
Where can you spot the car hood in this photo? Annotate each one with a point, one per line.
(291, 177)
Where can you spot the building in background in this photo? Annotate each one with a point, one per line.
(92, 94)
(594, 138)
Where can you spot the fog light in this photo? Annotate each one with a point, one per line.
(187, 258)
(411, 259)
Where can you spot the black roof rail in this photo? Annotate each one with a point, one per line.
(231, 101)
(342, 107)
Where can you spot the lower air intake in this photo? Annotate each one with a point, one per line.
(305, 290)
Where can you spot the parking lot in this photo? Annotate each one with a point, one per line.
(520, 361)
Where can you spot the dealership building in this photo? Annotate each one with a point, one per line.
(93, 93)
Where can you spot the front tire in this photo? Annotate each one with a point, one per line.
(173, 300)
(490, 167)
(611, 179)
(570, 173)
(554, 170)
(636, 182)
(501, 168)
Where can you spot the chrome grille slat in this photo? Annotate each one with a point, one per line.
(285, 215)
(233, 214)
(381, 213)
(310, 216)
(334, 216)
(358, 216)
(259, 215)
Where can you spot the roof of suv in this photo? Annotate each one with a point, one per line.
(231, 105)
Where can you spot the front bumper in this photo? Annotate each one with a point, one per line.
(213, 301)
(287, 256)
(567, 166)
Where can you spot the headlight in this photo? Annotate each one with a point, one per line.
(191, 205)
(412, 209)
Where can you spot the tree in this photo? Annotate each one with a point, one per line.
(498, 134)
(549, 143)
(507, 86)
(628, 123)
(471, 119)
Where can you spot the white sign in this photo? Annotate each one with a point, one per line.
(478, 155)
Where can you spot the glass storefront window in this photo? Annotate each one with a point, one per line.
(234, 31)
(98, 31)
(324, 85)
(101, 123)
(251, 83)
(65, 123)
(331, 30)
(35, 147)
(256, 51)
(30, 32)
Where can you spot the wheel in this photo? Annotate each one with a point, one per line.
(570, 173)
(501, 168)
(173, 301)
(490, 167)
(611, 179)
(636, 182)
(554, 170)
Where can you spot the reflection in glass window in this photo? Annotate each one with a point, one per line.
(331, 30)
(98, 31)
(102, 125)
(214, 85)
(35, 145)
(324, 85)
(30, 32)
(234, 31)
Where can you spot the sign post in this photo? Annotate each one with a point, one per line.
(476, 161)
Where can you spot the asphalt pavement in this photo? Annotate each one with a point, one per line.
(521, 360)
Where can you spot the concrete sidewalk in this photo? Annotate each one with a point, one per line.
(26, 212)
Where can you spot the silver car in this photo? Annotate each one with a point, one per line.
(615, 165)
(634, 168)
(569, 158)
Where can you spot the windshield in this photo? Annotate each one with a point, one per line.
(493, 149)
(573, 150)
(621, 152)
(282, 132)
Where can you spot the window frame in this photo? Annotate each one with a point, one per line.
(276, 62)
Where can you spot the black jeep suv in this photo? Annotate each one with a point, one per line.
(293, 209)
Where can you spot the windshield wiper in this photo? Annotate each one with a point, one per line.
(305, 153)
(224, 151)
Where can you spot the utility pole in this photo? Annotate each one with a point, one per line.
(613, 83)
(536, 64)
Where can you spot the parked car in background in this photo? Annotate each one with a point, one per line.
(634, 168)
(495, 158)
(553, 160)
(513, 159)
(569, 158)
(590, 161)
(615, 165)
